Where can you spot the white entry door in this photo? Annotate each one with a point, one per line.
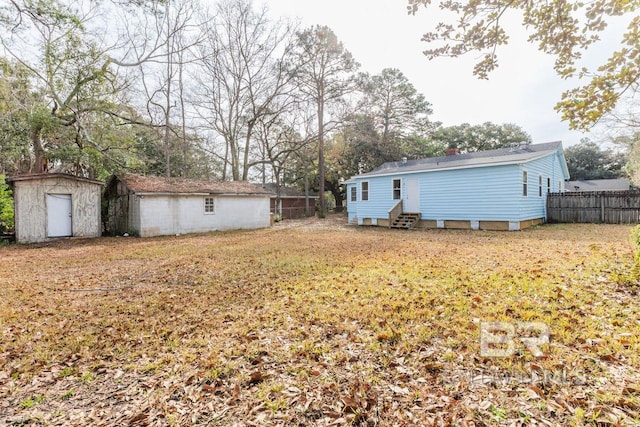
(59, 215)
(412, 195)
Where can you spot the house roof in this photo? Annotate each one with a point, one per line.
(286, 192)
(55, 175)
(500, 156)
(619, 184)
(141, 184)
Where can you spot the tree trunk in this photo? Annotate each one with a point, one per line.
(245, 162)
(38, 151)
(167, 111)
(385, 132)
(185, 144)
(278, 207)
(226, 161)
(337, 194)
(235, 161)
(321, 206)
(307, 211)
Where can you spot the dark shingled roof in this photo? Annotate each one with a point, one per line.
(521, 153)
(158, 184)
(617, 184)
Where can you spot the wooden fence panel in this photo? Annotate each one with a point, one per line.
(610, 207)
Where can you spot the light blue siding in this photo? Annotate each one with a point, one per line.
(534, 205)
(483, 194)
(487, 193)
(380, 198)
(352, 207)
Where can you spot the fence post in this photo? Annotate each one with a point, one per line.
(602, 200)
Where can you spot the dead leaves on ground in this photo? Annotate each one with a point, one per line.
(318, 325)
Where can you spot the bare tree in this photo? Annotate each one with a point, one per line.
(162, 85)
(281, 137)
(241, 76)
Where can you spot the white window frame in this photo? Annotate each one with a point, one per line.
(209, 208)
(399, 189)
(540, 192)
(525, 184)
(363, 192)
(353, 194)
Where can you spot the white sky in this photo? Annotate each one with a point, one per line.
(380, 34)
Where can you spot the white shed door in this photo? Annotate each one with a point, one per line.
(59, 215)
(412, 195)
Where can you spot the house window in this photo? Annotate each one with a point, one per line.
(525, 189)
(540, 186)
(548, 185)
(209, 206)
(397, 189)
(354, 194)
(364, 191)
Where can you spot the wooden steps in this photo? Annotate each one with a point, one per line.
(406, 220)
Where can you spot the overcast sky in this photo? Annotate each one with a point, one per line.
(380, 34)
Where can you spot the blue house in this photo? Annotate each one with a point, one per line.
(503, 189)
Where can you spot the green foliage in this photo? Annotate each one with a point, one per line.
(31, 402)
(565, 30)
(16, 106)
(487, 136)
(360, 147)
(588, 161)
(6, 207)
(421, 147)
(631, 144)
(397, 108)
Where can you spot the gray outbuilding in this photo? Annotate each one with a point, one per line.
(55, 205)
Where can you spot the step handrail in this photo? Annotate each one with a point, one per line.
(395, 212)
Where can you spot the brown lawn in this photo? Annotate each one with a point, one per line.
(319, 323)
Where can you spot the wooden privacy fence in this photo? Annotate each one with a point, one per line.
(609, 207)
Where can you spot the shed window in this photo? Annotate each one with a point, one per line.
(397, 189)
(525, 189)
(548, 185)
(364, 191)
(540, 186)
(354, 194)
(209, 206)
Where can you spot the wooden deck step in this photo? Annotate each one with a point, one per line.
(406, 220)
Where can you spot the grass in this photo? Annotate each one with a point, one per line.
(321, 323)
